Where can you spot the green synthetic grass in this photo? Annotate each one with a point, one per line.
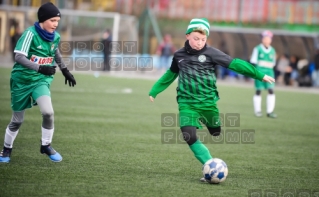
(111, 144)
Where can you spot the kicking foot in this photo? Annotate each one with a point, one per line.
(5, 155)
(53, 155)
(272, 115)
(202, 180)
(258, 114)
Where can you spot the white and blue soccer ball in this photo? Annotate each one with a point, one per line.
(215, 171)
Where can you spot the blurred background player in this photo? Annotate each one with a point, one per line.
(14, 39)
(31, 77)
(106, 40)
(165, 50)
(264, 57)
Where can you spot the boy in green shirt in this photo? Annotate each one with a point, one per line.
(264, 57)
(31, 77)
(197, 94)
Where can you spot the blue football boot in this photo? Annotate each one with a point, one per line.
(5, 155)
(52, 154)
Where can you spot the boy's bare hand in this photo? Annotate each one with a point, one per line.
(151, 99)
(268, 79)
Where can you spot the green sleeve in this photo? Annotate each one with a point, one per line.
(24, 43)
(166, 80)
(245, 68)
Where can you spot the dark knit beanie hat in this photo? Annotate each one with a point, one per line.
(47, 11)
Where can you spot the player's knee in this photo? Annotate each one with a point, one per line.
(48, 119)
(47, 114)
(270, 91)
(14, 126)
(258, 92)
(189, 135)
(16, 121)
(214, 131)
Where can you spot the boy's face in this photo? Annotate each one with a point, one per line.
(51, 24)
(266, 41)
(196, 40)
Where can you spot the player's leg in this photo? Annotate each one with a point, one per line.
(257, 103)
(200, 151)
(41, 95)
(271, 100)
(20, 100)
(211, 119)
(189, 122)
(11, 133)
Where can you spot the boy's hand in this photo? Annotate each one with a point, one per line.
(151, 99)
(68, 77)
(47, 70)
(268, 79)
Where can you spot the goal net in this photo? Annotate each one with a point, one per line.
(78, 25)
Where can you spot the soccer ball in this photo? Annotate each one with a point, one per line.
(215, 171)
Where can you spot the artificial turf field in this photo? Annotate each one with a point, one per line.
(112, 144)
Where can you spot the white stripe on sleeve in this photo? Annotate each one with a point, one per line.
(27, 42)
(254, 56)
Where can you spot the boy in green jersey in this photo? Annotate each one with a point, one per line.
(264, 57)
(197, 94)
(31, 77)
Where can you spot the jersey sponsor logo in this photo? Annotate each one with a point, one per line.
(41, 60)
(265, 64)
(202, 58)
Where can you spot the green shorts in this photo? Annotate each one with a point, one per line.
(260, 85)
(24, 96)
(199, 117)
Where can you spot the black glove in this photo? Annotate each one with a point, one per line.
(47, 70)
(68, 77)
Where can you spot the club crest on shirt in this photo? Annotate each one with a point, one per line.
(202, 58)
(52, 47)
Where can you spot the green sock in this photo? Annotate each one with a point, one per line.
(200, 151)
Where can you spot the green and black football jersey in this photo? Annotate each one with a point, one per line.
(196, 75)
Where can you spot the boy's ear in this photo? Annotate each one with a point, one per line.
(187, 36)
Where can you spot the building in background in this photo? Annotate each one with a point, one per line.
(237, 23)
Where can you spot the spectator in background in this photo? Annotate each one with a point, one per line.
(106, 40)
(165, 50)
(304, 78)
(315, 73)
(294, 73)
(282, 67)
(287, 75)
(14, 39)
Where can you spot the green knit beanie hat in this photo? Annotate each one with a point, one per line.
(198, 24)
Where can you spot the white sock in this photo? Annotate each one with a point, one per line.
(257, 103)
(9, 138)
(270, 103)
(47, 135)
